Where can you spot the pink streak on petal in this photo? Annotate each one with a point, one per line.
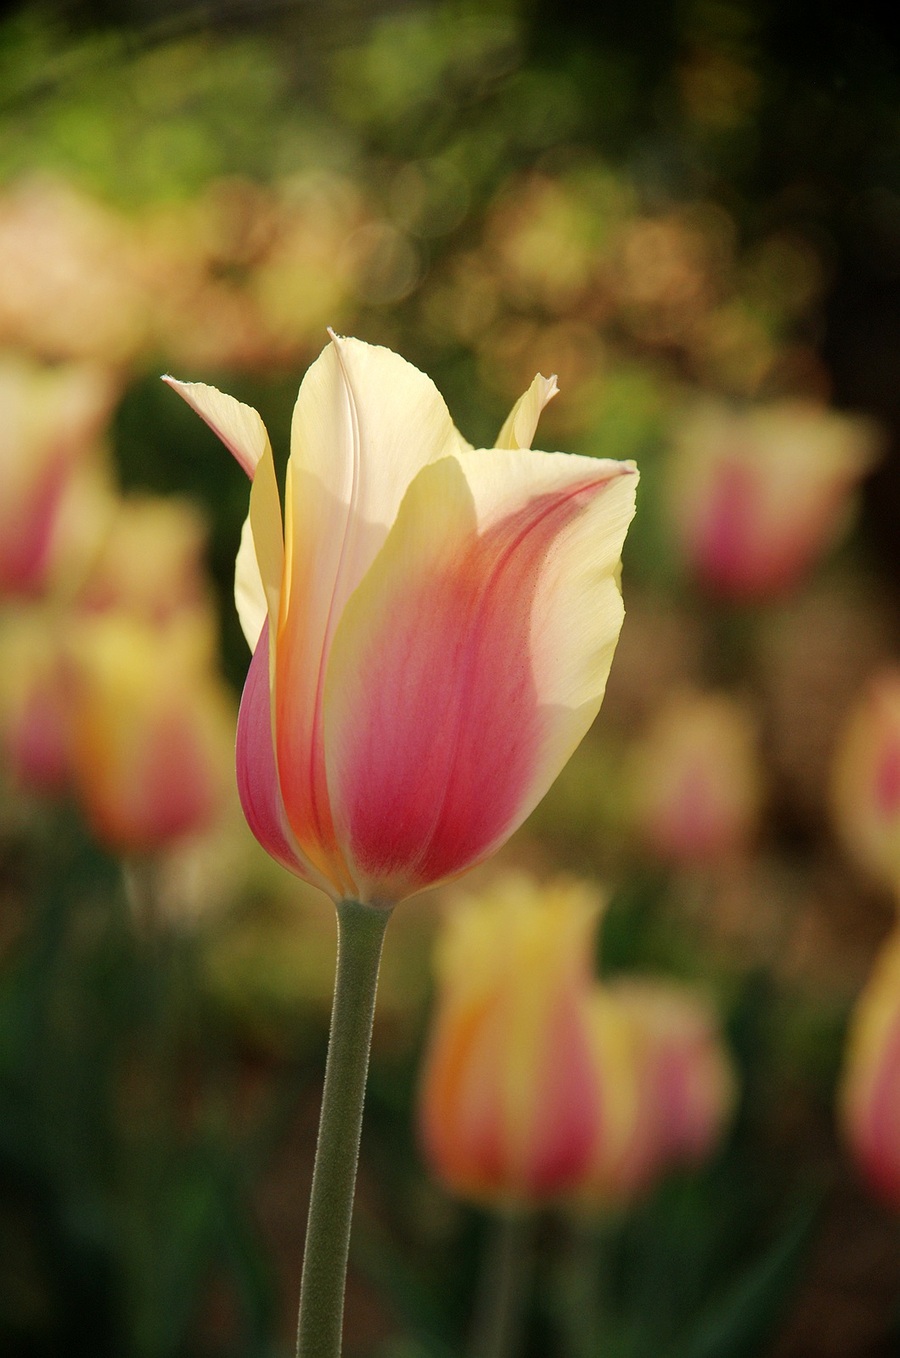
(257, 776)
(442, 758)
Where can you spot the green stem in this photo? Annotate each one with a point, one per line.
(360, 936)
(502, 1304)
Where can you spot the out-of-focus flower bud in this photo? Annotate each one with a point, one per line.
(151, 730)
(71, 288)
(509, 1108)
(757, 496)
(866, 780)
(51, 420)
(33, 702)
(666, 1084)
(869, 1098)
(151, 560)
(696, 783)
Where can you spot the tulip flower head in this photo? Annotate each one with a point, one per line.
(33, 702)
(541, 1083)
(149, 560)
(432, 628)
(870, 1085)
(756, 497)
(149, 730)
(52, 418)
(509, 1109)
(866, 780)
(696, 781)
(667, 1086)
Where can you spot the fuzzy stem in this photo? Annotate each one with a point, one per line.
(360, 936)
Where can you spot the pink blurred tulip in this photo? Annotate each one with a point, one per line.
(757, 496)
(149, 560)
(52, 418)
(71, 274)
(696, 780)
(149, 730)
(432, 629)
(33, 702)
(866, 780)
(541, 1083)
(869, 1098)
(666, 1084)
(509, 1111)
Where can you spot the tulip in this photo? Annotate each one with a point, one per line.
(52, 418)
(696, 781)
(869, 1097)
(71, 270)
(666, 1083)
(866, 780)
(149, 731)
(756, 497)
(149, 560)
(33, 702)
(432, 629)
(509, 1109)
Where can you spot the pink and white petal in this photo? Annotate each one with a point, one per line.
(239, 426)
(257, 776)
(364, 424)
(521, 423)
(445, 724)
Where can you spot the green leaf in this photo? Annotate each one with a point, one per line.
(743, 1318)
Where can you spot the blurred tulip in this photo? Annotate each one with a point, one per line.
(757, 496)
(508, 1107)
(869, 1097)
(150, 730)
(71, 287)
(51, 420)
(432, 631)
(33, 702)
(866, 780)
(696, 780)
(666, 1084)
(150, 560)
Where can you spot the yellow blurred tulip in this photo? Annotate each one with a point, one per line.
(151, 730)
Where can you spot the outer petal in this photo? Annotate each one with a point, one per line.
(249, 590)
(242, 431)
(472, 659)
(364, 424)
(257, 776)
(239, 426)
(521, 423)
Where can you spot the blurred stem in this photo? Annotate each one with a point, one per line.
(143, 891)
(360, 936)
(500, 1313)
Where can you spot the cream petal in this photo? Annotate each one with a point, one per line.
(239, 426)
(249, 591)
(365, 422)
(521, 423)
